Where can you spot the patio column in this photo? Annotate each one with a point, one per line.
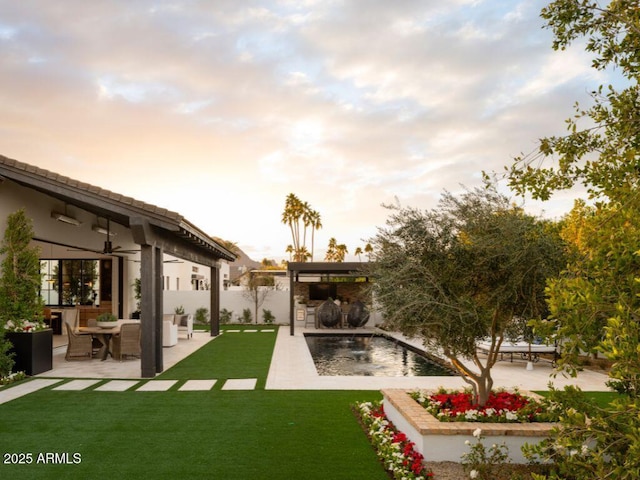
(151, 311)
(214, 298)
(292, 318)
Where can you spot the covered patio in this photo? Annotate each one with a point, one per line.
(314, 282)
(69, 217)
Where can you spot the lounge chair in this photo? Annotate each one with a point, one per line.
(522, 348)
(79, 346)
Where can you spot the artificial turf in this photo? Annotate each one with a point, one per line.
(217, 434)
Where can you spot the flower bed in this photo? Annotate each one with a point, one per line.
(394, 449)
(501, 407)
(445, 440)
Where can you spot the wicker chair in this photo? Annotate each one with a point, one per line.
(79, 346)
(127, 342)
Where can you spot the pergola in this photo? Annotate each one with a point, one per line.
(155, 230)
(324, 272)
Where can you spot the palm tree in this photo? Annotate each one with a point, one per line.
(291, 216)
(331, 248)
(289, 250)
(368, 250)
(317, 225)
(294, 212)
(358, 252)
(341, 251)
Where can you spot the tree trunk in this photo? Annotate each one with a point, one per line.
(484, 384)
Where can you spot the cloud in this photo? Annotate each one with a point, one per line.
(219, 110)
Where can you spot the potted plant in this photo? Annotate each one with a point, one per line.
(107, 320)
(21, 306)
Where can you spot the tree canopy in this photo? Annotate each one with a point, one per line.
(473, 267)
(601, 150)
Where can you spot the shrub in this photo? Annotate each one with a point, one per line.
(267, 316)
(246, 315)
(202, 315)
(6, 357)
(225, 316)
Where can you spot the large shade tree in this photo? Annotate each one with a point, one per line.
(595, 304)
(601, 152)
(474, 267)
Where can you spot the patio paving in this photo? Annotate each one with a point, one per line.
(292, 368)
(129, 368)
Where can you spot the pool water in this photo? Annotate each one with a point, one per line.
(370, 355)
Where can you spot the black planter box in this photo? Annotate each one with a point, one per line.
(33, 351)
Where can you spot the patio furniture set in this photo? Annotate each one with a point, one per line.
(93, 341)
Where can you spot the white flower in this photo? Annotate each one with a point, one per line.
(509, 415)
(471, 414)
(585, 449)
(473, 474)
(476, 433)
(467, 442)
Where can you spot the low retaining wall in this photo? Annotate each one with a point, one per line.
(445, 441)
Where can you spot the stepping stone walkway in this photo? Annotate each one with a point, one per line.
(156, 385)
(77, 385)
(7, 394)
(240, 384)
(197, 385)
(117, 386)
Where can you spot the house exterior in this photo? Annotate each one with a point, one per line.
(95, 243)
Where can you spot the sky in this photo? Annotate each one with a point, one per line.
(219, 109)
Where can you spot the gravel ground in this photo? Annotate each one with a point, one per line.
(447, 470)
(454, 471)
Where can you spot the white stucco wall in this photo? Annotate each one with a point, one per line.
(276, 301)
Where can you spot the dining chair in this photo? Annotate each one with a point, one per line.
(79, 346)
(127, 342)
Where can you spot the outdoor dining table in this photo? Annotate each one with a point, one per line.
(103, 335)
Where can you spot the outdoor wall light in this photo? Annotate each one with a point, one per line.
(65, 219)
(102, 230)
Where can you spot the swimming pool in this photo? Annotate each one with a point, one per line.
(369, 355)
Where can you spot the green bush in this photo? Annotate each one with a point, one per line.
(246, 315)
(6, 358)
(267, 316)
(226, 316)
(202, 315)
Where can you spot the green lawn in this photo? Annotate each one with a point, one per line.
(217, 434)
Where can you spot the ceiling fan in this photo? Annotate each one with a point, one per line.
(108, 248)
(108, 245)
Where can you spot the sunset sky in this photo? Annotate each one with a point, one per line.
(219, 109)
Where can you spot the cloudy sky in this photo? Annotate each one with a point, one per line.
(218, 109)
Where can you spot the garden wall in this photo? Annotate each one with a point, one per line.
(277, 301)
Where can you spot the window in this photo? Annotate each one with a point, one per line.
(70, 282)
